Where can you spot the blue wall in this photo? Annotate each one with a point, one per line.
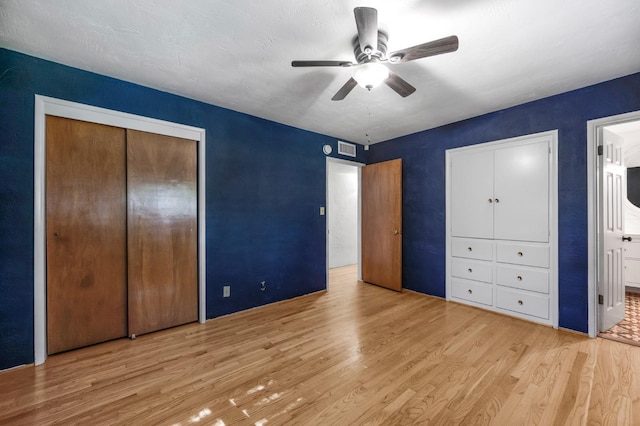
(266, 181)
(265, 184)
(423, 156)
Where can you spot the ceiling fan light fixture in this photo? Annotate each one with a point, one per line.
(370, 75)
(370, 51)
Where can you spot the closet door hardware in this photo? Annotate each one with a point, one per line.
(626, 238)
(497, 200)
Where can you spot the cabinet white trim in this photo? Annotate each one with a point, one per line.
(531, 253)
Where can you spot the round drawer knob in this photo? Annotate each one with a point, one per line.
(519, 278)
(470, 292)
(520, 254)
(497, 200)
(470, 270)
(469, 248)
(490, 201)
(520, 302)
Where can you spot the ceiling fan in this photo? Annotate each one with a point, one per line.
(370, 49)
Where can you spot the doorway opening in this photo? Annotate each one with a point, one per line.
(343, 240)
(614, 233)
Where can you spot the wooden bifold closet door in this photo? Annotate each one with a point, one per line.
(121, 233)
(162, 231)
(86, 233)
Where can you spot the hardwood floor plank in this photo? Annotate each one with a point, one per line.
(356, 354)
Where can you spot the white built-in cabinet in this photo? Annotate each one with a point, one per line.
(501, 226)
(632, 262)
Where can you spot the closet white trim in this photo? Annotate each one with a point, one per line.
(61, 108)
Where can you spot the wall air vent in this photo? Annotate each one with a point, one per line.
(346, 149)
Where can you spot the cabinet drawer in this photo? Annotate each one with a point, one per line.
(632, 249)
(523, 254)
(472, 291)
(472, 269)
(532, 304)
(523, 278)
(472, 249)
(632, 270)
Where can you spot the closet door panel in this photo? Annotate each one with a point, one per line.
(86, 240)
(472, 194)
(522, 188)
(162, 231)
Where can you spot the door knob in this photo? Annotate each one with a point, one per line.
(55, 234)
(396, 232)
(626, 238)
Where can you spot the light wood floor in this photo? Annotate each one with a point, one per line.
(357, 354)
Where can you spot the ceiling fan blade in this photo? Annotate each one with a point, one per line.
(400, 85)
(321, 63)
(432, 48)
(345, 90)
(367, 23)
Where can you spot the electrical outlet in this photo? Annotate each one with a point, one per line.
(263, 286)
(226, 291)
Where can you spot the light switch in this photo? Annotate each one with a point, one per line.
(321, 211)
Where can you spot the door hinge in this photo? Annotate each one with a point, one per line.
(600, 299)
(600, 149)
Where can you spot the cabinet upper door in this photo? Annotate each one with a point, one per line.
(471, 208)
(522, 192)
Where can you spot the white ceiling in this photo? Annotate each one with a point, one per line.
(237, 53)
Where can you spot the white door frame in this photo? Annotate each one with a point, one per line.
(61, 108)
(593, 198)
(359, 167)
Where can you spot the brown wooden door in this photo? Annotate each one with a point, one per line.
(162, 231)
(86, 240)
(382, 224)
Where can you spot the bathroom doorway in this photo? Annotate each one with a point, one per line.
(618, 234)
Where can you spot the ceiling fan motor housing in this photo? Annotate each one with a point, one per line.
(378, 54)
